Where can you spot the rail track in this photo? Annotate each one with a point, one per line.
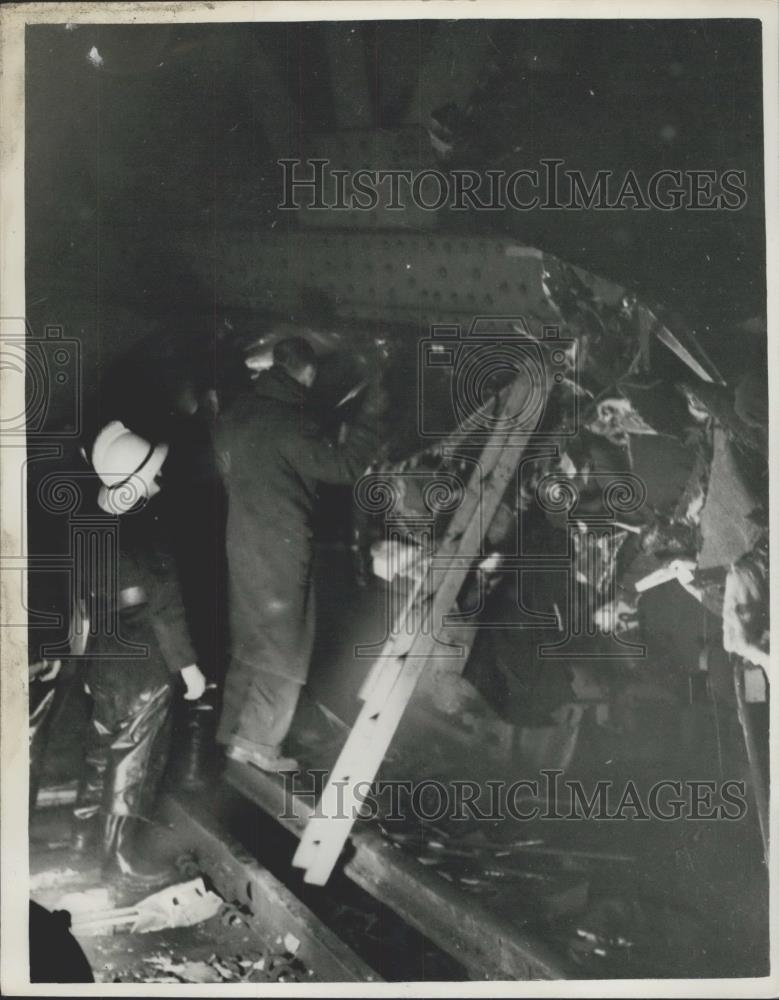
(479, 941)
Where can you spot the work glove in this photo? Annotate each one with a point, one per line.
(194, 681)
(45, 670)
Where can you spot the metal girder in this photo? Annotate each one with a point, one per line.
(414, 278)
(418, 279)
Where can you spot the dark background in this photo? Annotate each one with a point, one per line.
(169, 140)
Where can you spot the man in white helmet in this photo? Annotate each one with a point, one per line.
(141, 644)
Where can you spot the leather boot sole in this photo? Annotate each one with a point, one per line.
(272, 764)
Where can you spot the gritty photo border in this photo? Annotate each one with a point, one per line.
(14, 757)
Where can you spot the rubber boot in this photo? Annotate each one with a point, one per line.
(122, 860)
(273, 762)
(197, 748)
(85, 833)
(87, 818)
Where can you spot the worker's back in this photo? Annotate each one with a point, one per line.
(273, 454)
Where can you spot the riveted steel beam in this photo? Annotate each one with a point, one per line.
(416, 279)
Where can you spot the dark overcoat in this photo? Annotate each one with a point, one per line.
(273, 454)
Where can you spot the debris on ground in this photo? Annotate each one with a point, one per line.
(51, 878)
(181, 905)
(291, 943)
(250, 965)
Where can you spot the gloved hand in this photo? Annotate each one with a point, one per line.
(195, 681)
(45, 670)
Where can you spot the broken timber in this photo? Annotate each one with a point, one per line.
(487, 945)
(393, 678)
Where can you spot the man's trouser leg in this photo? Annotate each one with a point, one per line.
(138, 754)
(87, 811)
(131, 720)
(258, 709)
(40, 721)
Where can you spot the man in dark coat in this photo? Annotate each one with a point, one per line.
(140, 645)
(274, 453)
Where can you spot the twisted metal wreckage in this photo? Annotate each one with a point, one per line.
(609, 374)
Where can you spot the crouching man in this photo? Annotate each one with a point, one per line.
(139, 647)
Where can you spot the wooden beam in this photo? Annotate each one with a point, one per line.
(407, 652)
(490, 947)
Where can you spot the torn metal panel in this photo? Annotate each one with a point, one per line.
(745, 625)
(689, 350)
(603, 319)
(658, 403)
(728, 524)
(718, 402)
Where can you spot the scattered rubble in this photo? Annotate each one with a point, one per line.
(240, 961)
(262, 967)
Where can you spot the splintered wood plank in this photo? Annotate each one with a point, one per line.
(393, 683)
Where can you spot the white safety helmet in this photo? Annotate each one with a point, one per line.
(127, 466)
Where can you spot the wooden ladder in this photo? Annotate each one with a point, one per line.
(391, 681)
